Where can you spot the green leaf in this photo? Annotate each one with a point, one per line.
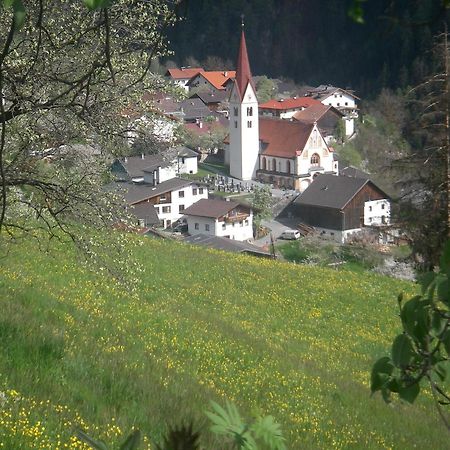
(269, 431)
(415, 318)
(426, 280)
(437, 323)
(132, 442)
(97, 445)
(18, 11)
(402, 351)
(442, 289)
(409, 393)
(381, 372)
(445, 339)
(440, 371)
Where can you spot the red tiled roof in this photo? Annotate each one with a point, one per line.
(282, 137)
(183, 73)
(243, 73)
(218, 78)
(289, 103)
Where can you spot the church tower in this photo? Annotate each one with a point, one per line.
(244, 124)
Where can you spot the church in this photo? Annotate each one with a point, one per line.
(284, 153)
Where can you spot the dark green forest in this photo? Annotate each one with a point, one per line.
(315, 41)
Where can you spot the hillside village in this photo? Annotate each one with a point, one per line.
(197, 257)
(284, 143)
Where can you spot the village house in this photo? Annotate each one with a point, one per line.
(340, 206)
(342, 99)
(212, 81)
(221, 218)
(168, 200)
(181, 77)
(154, 169)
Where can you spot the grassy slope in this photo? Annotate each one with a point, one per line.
(292, 341)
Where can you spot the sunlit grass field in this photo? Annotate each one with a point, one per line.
(189, 325)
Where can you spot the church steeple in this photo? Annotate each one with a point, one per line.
(243, 152)
(243, 73)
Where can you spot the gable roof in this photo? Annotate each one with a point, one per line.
(243, 73)
(289, 103)
(331, 191)
(145, 211)
(211, 97)
(282, 137)
(315, 112)
(325, 90)
(135, 165)
(184, 72)
(210, 208)
(216, 78)
(222, 243)
(139, 192)
(194, 108)
(354, 172)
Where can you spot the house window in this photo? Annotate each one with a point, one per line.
(382, 206)
(346, 103)
(339, 104)
(315, 160)
(370, 208)
(166, 209)
(180, 208)
(224, 226)
(194, 191)
(235, 124)
(241, 223)
(383, 219)
(157, 210)
(274, 165)
(196, 226)
(264, 164)
(181, 194)
(200, 191)
(163, 197)
(288, 166)
(249, 124)
(206, 226)
(250, 111)
(246, 222)
(236, 111)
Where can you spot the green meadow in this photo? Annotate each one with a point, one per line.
(185, 326)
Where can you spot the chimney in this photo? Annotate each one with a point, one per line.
(225, 74)
(126, 159)
(200, 124)
(142, 156)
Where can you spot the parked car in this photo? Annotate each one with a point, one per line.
(290, 234)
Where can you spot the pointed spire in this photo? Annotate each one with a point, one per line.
(243, 73)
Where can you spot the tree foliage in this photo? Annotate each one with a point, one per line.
(68, 71)
(421, 353)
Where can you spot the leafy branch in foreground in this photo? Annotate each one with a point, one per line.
(422, 351)
(228, 422)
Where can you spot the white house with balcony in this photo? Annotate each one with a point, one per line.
(220, 218)
(342, 99)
